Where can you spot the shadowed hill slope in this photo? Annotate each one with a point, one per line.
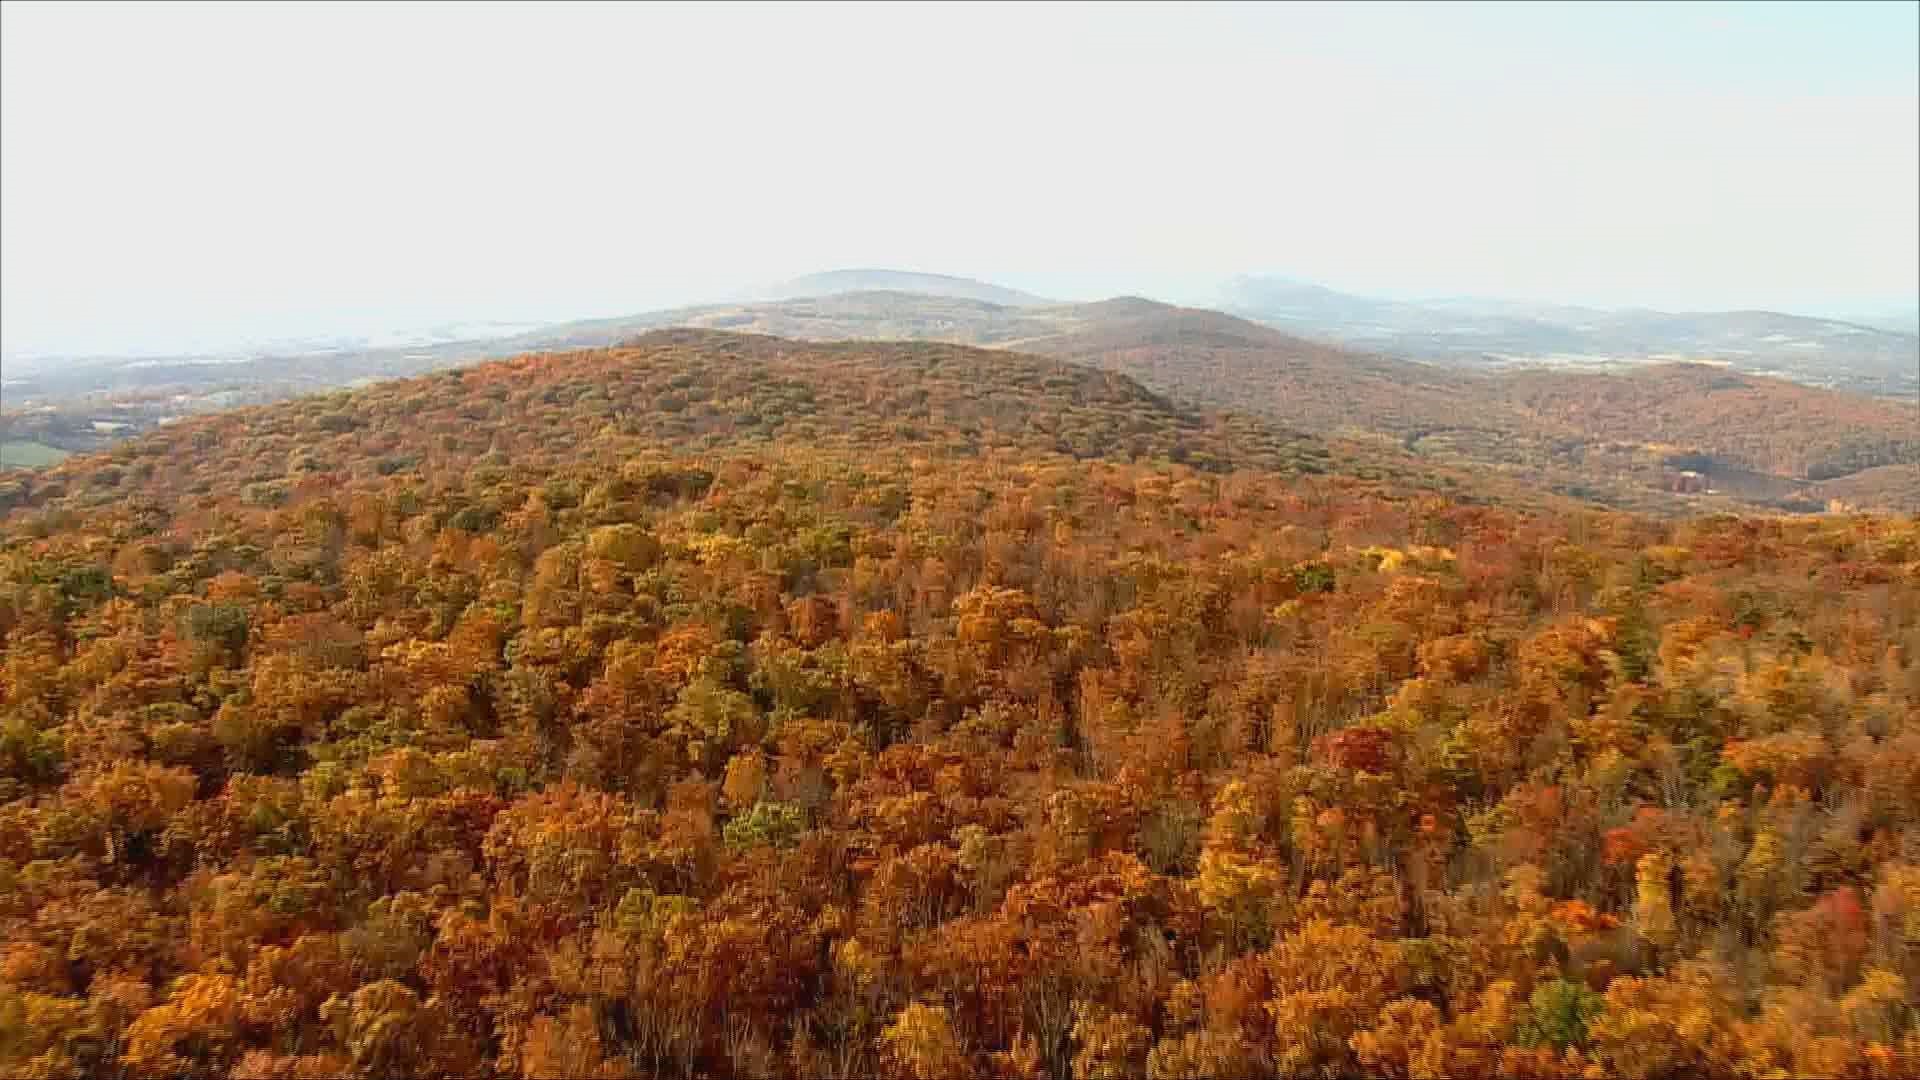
(1229, 362)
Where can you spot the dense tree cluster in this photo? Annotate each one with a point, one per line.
(728, 708)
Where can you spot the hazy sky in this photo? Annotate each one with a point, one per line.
(191, 176)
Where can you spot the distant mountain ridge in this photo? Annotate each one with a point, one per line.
(876, 279)
(1899, 320)
(1481, 332)
(1873, 355)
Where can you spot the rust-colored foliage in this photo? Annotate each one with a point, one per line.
(727, 707)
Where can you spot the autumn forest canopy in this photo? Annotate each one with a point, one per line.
(727, 706)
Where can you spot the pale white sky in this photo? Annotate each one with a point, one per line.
(175, 177)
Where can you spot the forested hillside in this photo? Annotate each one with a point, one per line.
(728, 707)
(1616, 438)
(1765, 425)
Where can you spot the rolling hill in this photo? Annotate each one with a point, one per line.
(1233, 363)
(1729, 419)
(685, 390)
